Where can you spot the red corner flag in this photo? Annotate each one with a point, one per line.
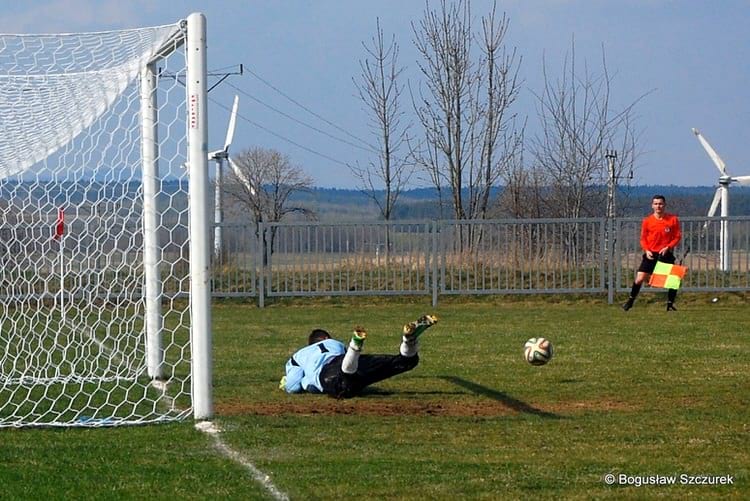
(59, 224)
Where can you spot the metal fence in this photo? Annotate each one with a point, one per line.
(434, 258)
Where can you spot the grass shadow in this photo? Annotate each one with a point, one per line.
(510, 402)
(377, 391)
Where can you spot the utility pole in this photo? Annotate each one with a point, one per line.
(609, 242)
(611, 156)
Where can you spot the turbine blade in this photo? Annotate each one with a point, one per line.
(715, 202)
(711, 153)
(241, 176)
(743, 180)
(714, 206)
(232, 123)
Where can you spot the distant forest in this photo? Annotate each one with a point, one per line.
(332, 204)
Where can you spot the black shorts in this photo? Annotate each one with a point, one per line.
(648, 265)
(371, 369)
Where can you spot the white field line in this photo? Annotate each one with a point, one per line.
(159, 385)
(165, 397)
(103, 347)
(214, 431)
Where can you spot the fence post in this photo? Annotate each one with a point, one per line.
(617, 275)
(261, 254)
(610, 256)
(435, 252)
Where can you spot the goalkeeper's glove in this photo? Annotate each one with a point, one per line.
(282, 384)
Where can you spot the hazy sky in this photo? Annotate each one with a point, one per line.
(693, 56)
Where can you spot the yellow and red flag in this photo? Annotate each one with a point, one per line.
(668, 276)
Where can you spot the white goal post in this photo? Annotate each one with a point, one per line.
(105, 234)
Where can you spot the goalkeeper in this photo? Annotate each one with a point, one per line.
(326, 365)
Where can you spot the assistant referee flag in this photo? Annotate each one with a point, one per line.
(668, 276)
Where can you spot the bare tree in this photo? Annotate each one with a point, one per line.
(502, 141)
(263, 181)
(380, 90)
(578, 125)
(523, 192)
(470, 136)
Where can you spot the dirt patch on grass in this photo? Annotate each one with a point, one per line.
(325, 406)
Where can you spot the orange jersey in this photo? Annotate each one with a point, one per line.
(659, 233)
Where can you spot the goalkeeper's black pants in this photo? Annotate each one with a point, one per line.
(371, 369)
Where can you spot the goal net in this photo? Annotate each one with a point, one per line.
(96, 312)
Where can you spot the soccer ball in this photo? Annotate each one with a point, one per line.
(537, 351)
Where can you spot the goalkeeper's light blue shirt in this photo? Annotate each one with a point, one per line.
(303, 368)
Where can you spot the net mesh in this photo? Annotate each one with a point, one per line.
(73, 337)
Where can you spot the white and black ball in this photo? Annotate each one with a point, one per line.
(537, 351)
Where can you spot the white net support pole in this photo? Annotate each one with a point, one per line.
(200, 227)
(152, 277)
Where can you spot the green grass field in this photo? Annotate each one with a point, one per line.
(639, 394)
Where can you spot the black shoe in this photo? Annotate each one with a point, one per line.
(670, 307)
(628, 304)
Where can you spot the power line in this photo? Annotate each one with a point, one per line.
(276, 134)
(368, 148)
(224, 72)
(294, 101)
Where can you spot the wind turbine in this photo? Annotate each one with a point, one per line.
(219, 156)
(722, 196)
(242, 177)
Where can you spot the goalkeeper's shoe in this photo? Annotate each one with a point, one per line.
(358, 338)
(414, 329)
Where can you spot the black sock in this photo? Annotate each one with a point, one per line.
(671, 295)
(635, 290)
